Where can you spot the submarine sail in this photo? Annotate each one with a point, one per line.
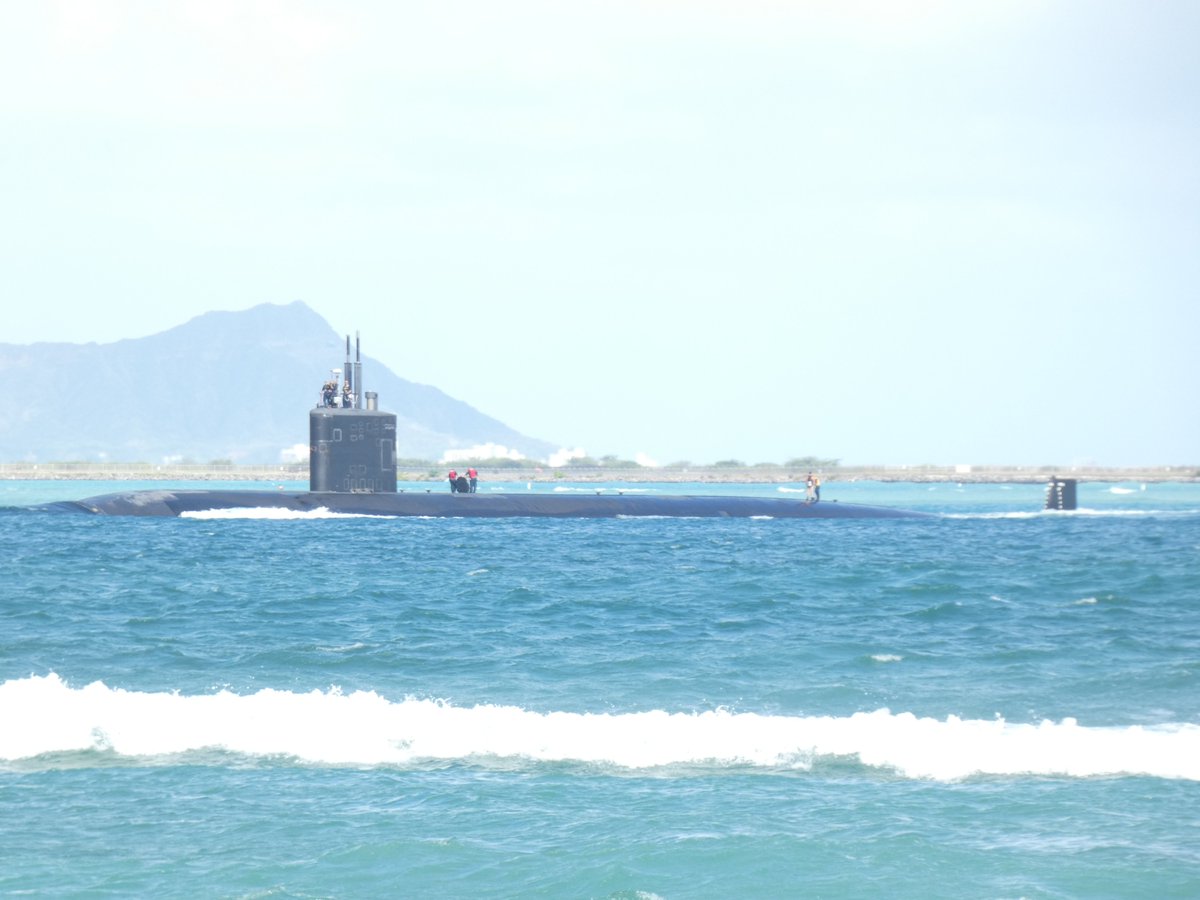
(351, 449)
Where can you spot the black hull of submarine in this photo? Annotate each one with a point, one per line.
(352, 470)
(484, 506)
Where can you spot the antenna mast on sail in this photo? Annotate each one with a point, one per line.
(358, 393)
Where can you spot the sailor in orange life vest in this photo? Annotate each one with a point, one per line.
(453, 476)
(474, 476)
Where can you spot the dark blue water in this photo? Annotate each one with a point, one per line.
(996, 702)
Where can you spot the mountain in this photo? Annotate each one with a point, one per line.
(226, 385)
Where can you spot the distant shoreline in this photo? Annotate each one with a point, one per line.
(548, 474)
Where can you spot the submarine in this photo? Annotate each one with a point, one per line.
(352, 470)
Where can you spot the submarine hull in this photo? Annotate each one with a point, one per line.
(447, 505)
(352, 470)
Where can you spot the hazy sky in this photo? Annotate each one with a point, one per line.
(902, 232)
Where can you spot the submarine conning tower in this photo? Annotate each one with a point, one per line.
(1061, 493)
(351, 443)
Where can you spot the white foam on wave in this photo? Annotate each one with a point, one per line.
(266, 512)
(44, 715)
(1081, 512)
(1021, 514)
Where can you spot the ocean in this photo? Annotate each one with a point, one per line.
(996, 702)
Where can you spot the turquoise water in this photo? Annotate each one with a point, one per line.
(997, 702)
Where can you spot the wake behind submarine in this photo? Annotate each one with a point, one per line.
(352, 470)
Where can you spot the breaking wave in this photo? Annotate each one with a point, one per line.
(45, 717)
